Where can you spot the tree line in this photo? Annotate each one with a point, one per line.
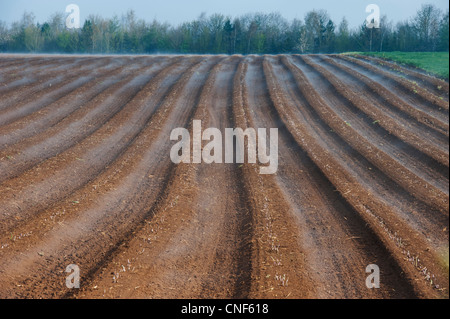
(256, 33)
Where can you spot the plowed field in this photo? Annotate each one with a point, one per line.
(86, 178)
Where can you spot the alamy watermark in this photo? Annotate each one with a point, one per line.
(373, 280)
(222, 148)
(373, 19)
(73, 280)
(73, 19)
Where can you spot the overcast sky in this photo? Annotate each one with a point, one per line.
(178, 11)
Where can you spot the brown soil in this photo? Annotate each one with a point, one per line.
(86, 178)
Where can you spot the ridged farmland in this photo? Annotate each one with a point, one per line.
(86, 178)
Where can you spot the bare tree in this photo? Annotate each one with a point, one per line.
(426, 24)
(385, 30)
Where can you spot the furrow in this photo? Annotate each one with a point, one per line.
(414, 212)
(52, 114)
(89, 157)
(31, 82)
(412, 110)
(437, 86)
(408, 87)
(346, 125)
(382, 217)
(43, 94)
(186, 230)
(403, 129)
(333, 237)
(130, 190)
(13, 79)
(17, 159)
